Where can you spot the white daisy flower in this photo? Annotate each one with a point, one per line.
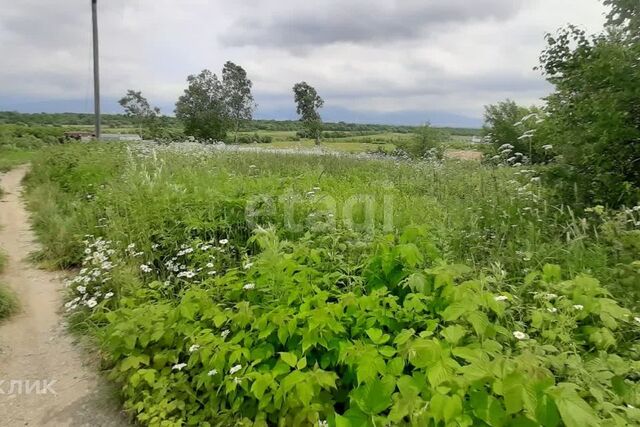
(223, 241)
(520, 335)
(91, 303)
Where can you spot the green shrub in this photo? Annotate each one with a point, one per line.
(213, 309)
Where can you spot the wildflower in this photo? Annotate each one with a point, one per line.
(91, 303)
(578, 306)
(552, 310)
(550, 297)
(520, 335)
(212, 272)
(145, 268)
(252, 166)
(108, 295)
(81, 289)
(316, 188)
(235, 369)
(535, 179)
(223, 241)
(194, 347)
(547, 147)
(225, 333)
(209, 265)
(187, 274)
(248, 265)
(155, 246)
(178, 366)
(212, 372)
(249, 286)
(500, 298)
(323, 423)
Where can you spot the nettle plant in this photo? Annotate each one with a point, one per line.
(415, 342)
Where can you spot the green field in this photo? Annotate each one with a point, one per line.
(266, 288)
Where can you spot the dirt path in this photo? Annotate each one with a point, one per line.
(35, 351)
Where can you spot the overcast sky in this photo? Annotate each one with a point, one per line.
(396, 61)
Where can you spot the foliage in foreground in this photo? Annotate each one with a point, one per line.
(210, 320)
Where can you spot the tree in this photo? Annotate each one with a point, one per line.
(426, 143)
(509, 124)
(593, 116)
(137, 107)
(237, 88)
(202, 108)
(308, 103)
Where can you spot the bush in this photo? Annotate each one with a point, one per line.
(425, 144)
(593, 115)
(483, 306)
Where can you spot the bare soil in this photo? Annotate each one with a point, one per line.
(34, 345)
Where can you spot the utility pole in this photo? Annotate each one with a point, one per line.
(96, 68)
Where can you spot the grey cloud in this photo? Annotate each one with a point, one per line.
(294, 24)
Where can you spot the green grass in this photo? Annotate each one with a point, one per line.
(289, 289)
(12, 158)
(8, 301)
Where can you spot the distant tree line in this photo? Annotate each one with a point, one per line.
(331, 129)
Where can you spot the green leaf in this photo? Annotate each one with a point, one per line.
(377, 336)
(369, 367)
(417, 283)
(302, 363)
(575, 412)
(453, 334)
(452, 408)
(404, 336)
(289, 358)
(353, 418)
(424, 353)
(374, 397)
(395, 366)
(260, 385)
(479, 321)
(304, 392)
(455, 310)
(488, 408)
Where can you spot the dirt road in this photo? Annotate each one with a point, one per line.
(35, 351)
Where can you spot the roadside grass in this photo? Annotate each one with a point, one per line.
(10, 158)
(290, 289)
(8, 301)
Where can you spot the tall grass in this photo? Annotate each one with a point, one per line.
(8, 301)
(479, 215)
